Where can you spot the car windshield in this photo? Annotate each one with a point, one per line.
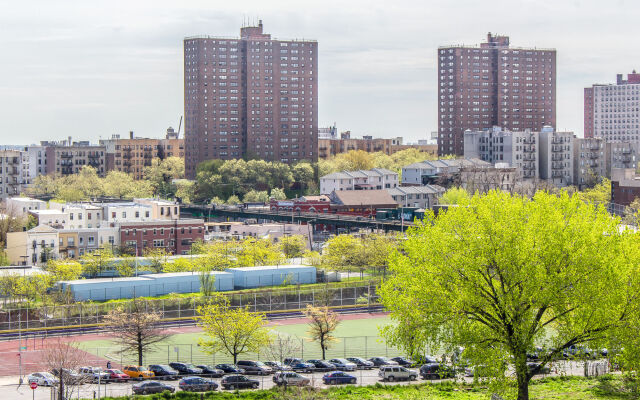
(96, 369)
(342, 360)
(260, 364)
(116, 371)
(45, 374)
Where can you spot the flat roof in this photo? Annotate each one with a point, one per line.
(268, 267)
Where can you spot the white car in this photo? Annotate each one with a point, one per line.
(42, 379)
(289, 378)
(392, 373)
(343, 365)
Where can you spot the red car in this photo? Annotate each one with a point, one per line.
(115, 375)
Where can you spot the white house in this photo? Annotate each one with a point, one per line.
(373, 179)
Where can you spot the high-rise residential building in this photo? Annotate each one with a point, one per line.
(493, 85)
(66, 157)
(556, 157)
(517, 149)
(591, 161)
(252, 97)
(133, 154)
(11, 173)
(612, 111)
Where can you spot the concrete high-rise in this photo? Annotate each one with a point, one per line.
(493, 85)
(611, 111)
(250, 97)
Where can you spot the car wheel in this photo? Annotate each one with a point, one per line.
(232, 387)
(353, 381)
(413, 377)
(255, 385)
(334, 382)
(391, 379)
(144, 392)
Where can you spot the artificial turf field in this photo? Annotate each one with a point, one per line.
(357, 337)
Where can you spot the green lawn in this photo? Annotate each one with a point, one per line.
(358, 337)
(547, 389)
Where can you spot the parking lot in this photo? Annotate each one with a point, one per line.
(10, 390)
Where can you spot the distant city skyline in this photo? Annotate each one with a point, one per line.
(90, 70)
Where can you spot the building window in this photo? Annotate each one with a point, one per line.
(158, 243)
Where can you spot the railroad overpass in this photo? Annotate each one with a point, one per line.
(208, 212)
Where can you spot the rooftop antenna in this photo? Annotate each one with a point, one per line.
(179, 126)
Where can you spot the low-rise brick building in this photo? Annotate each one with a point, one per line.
(174, 236)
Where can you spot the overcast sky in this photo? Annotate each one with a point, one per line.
(89, 69)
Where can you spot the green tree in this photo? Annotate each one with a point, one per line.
(599, 194)
(118, 184)
(4, 259)
(278, 194)
(125, 265)
(292, 246)
(254, 252)
(95, 262)
(233, 331)
(161, 174)
(455, 196)
(157, 258)
(64, 270)
(303, 174)
(253, 196)
(322, 323)
(180, 265)
(507, 274)
(233, 200)
(185, 190)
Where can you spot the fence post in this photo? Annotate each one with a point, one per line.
(366, 338)
(168, 354)
(191, 353)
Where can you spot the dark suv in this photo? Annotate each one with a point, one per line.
(185, 369)
(232, 382)
(254, 367)
(322, 365)
(436, 370)
(163, 371)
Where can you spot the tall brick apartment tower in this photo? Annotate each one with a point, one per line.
(250, 97)
(493, 85)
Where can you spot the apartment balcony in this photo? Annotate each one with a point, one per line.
(594, 146)
(529, 166)
(557, 165)
(529, 149)
(557, 174)
(93, 155)
(147, 155)
(556, 157)
(593, 164)
(557, 149)
(66, 155)
(94, 162)
(529, 157)
(556, 140)
(626, 150)
(594, 155)
(530, 140)
(126, 163)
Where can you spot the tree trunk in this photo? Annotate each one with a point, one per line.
(139, 348)
(235, 358)
(522, 376)
(322, 347)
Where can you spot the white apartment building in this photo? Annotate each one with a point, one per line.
(591, 160)
(161, 209)
(81, 215)
(54, 218)
(373, 179)
(427, 172)
(417, 196)
(33, 247)
(36, 162)
(518, 149)
(115, 213)
(612, 111)
(19, 206)
(556, 157)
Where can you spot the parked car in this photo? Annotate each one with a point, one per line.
(230, 369)
(403, 361)
(290, 378)
(68, 376)
(93, 374)
(338, 377)
(115, 375)
(380, 361)
(436, 370)
(322, 365)
(537, 368)
(232, 382)
(43, 379)
(162, 371)
(137, 372)
(277, 366)
(342, 364)
(392, 373)
(197, 384)
(289, 361)
(254, 367)
(361, 363)
(185, 369)
(208, 370)
(150, 387)
(302, 367)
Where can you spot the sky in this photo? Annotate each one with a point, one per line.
(89, 69)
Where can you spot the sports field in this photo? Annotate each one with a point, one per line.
(357, 336)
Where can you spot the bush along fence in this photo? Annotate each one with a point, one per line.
(184, 308)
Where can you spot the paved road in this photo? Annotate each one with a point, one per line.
(9, 390)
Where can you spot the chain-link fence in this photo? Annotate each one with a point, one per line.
(267, 301)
